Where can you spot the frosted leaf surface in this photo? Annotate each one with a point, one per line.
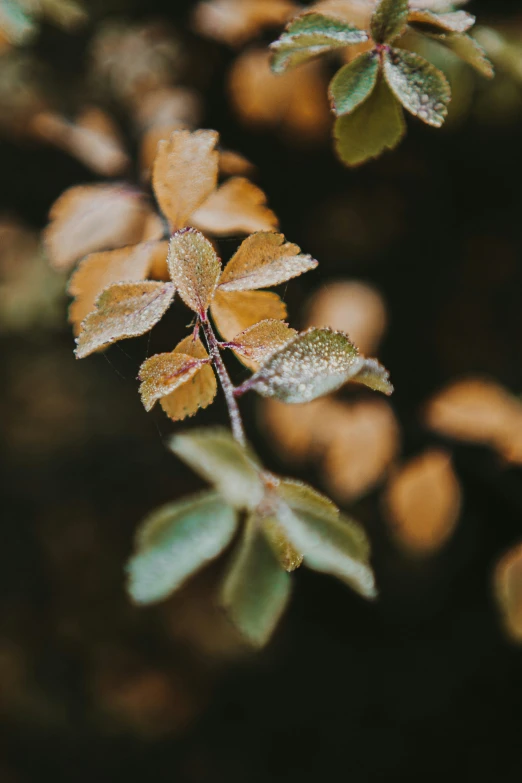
(469, 50)
(420, 87)
(256, 589)
(302, 497)
(163, 373)
(185, 173)
(372, 374)
(176, 541)
(198, 392)
(88, 218)
(100, 270)
(123, 310)
(235, 311)
(451, 22)
(218, 458)
(287, 555)
(388, 20)
(194, 268)
(315, 363)
(258, 342)
(263, 260)
(373, 127)
(237, 206)
(311, 35)
(352, 83)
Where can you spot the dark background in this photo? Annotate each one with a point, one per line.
(420, 685)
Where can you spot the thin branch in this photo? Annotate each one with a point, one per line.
(226, 383)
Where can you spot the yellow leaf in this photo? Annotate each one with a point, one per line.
(88, 218)
(232, 164)
(163, 373)
(185, 173)
(99, 270)
(258, 342)
(237, 21)
(194, 268)
(123, 310)
(508, 589)
(199, 392)
(263, 260)
(423, 502)
(237, 206)
(235, 311)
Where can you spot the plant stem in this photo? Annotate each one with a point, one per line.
(226, 383)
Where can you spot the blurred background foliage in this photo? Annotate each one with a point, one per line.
(425, 680)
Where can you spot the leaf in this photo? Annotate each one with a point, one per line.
(258, 342)
(176, 541)
(199, 392)
(373, 127)
(331, 544)
(235, 311)
(287, 555)
(99, 270)
(388, 20)
(353, 83)
(123, 310)
(163, 373)
(508, 591)
(185, 173)
(314, 363)
(363, 443)
(352, 307)
(263, 260)
(218, 458)
(469, 50)
(422, 89)
(422, 502)
(237, 207)
(88, 218)
(194, 268)
(232, 164)
(310, 35)
(256, 589)
(423, 20)
(302, 497)
(237, 21)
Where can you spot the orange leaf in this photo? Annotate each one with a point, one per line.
(237, 21)
(123, 310)
(235, 311)
(263, 260)
(351, 307)
(361, 441)
(194, 268)
(99, 270)
(423, 502)
(508, 589)
(159, 269)
(237, 206)
(258, 342)
(232, 164)
(162, 374)
(199, 392)
(88, 218)
(185, 174)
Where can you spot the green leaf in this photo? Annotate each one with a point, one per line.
(314, 363)
(470, 51)
(353, 83)
(333, 545)
(176, 541)
(375, 126)
(256, 588)
(422, 89)
(218, 458)
(424, 21)
(310, 35)
(375, 376)
(388, 20)
(302, 497)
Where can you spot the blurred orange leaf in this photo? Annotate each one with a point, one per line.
(235, 311)
(237, 206)
(508, 590)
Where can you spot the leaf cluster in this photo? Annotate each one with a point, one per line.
(369, 93)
